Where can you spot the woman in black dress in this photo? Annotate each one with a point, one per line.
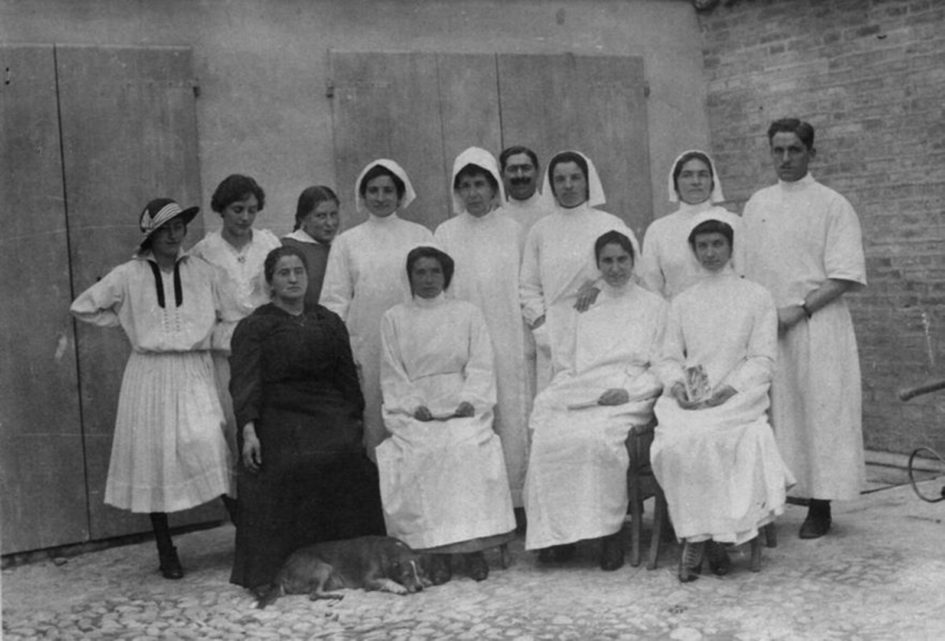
(303, 475)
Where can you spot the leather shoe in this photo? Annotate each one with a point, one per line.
(170, 565)
(611, 553)
(690, 561)
(476, 566)
(814, 527)
(719, 561)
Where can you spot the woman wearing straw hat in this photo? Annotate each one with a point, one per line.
(168, 452)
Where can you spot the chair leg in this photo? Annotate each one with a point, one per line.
(771, 535)
(636, 525)
(756, 554)
(659, 515)
(504, 556)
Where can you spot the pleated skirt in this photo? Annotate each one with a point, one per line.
(169, 452)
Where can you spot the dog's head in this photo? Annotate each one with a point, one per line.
(408, 568)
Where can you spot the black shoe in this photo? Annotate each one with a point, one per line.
(546, 556)
(564, 553)
(476, 566)
(814, 527)
(170, 565)
(611, 552)
(719, 561)
(690, 561)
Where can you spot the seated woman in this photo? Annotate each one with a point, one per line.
(443, 481)
(303, 474)
(714, 453)
(576, 485)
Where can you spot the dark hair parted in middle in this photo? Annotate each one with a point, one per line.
(311, 198)
(613, 237)
(444, 259)
(562, 157)
(381, 170)
(272, 259)
(508, 152)
(712, 226)
(236, 187)
(803, 130)
(472, 170)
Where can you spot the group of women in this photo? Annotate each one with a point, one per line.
(411, 353)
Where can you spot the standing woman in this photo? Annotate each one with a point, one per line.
(316, 223)
(303, 476)
(486, 246)
(558, 262)
(365, 276)
(168, 452)
(238, 251)
(668, 265)
(443, 480)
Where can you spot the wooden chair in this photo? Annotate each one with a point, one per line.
(642, 484)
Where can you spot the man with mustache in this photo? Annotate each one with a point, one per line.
(520, 171)
(802, 241)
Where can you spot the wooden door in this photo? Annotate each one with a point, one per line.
(129, 135)
(416, 108)
(593, 104)
(42, 475)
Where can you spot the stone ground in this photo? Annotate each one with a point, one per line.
(879, 575)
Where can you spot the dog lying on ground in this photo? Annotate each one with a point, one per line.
(370, 562)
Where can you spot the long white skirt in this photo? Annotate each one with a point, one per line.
(576, 485)
(444, 482)
(168, 452)
(720, 468)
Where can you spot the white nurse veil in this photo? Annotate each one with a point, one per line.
(478, 157)
(716, 195)
(409, 194)
(595, 190)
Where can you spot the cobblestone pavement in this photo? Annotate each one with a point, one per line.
(880, 574)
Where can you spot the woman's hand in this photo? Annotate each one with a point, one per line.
(465, 409)
(678, 391)
(720, 395)
(789, 316)
(614, 396)
(423, 413)
(586, 296)
(252, 448)
(538, 323)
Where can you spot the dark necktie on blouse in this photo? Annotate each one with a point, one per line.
(159, 284)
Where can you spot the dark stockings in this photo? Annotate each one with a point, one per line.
(167, 553)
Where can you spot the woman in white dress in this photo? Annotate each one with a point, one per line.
(668, 265)
(168, 452)
(443, 481)
(714, 453)
(558, 261)
(365, 276)
(577, 472)
(486, 247)
(238, 251)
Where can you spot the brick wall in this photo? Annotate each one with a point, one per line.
(870, 76)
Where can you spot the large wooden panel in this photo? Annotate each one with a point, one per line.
(595, 104)
(469, 107)
(42, 476)
(387, 106)
(129, 134)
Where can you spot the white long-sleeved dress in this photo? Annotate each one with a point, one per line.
(168, 451)
(367, 275)
(796, 236)
(443, 482)
(486, 251)
(558, 259)
(576, 486)
(720, 467)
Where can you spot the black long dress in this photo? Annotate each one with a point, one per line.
(295, 377)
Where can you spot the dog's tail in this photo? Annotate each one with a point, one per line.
(269, 594)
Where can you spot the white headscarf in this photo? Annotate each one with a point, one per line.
(716, 195)
(595, 191)
(394, 168)
(482, 159)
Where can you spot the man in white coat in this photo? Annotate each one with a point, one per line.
(802, 241)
